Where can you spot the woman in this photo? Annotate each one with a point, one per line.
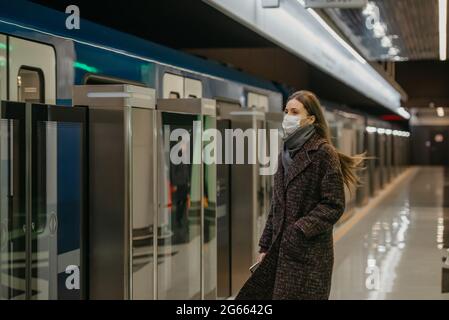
(296, 247)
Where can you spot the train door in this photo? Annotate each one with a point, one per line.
(57, 219)
(193, 88)
(247, 190)
(189, 190)
(13, 242)
(31, 78)
(34, 230)
(223, 218)
(32, 71)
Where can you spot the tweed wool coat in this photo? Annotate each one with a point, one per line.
(297, 238)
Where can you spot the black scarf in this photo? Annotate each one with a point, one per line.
(294, 142)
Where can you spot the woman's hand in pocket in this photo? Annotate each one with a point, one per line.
(261, 256)
(295, 245)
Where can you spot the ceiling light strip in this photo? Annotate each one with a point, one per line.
(443, 29)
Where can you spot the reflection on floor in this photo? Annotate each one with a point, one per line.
(396, 250)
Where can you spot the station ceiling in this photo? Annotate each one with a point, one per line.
(190, 25)
(405, 29)
(174, 23)
(410, 26)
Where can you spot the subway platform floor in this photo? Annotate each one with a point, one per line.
(396, 250)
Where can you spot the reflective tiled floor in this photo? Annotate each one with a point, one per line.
(396, 250)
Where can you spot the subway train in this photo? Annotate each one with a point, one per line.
(194, 233)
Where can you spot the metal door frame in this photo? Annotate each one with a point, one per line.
(118, 100)
(188, 106)
(232, 111)
(30, 114)
(18, 111)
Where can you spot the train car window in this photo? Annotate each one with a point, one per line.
(30, 85)
(174, 95)
(32, 62)
(263, 102)
(252, 100)
(172, 84)
(3, 95)
(255, 100)
(193, 88)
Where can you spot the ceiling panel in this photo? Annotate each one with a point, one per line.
(392, 29)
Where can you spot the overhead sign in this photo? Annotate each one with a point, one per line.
(345, 4)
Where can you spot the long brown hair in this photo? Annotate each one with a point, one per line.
(349, 164)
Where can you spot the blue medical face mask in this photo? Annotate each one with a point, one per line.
(291, 123)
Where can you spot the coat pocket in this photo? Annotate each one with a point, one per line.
(296, 246)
